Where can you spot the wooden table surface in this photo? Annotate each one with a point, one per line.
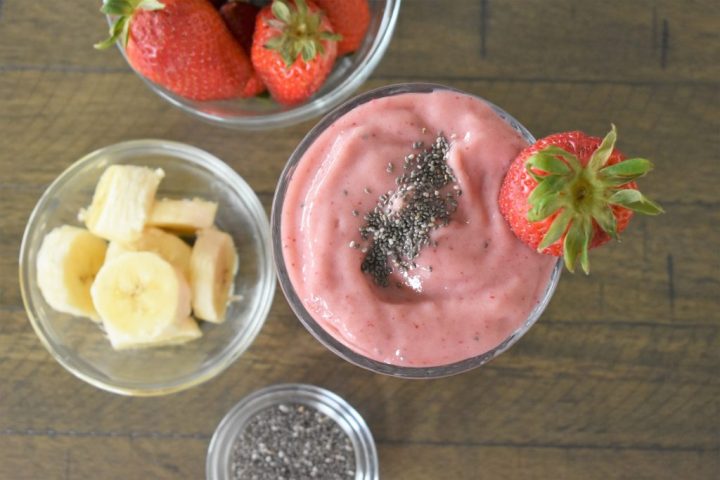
(619, 379)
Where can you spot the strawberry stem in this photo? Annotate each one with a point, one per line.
(581, 197)
(301, 33)
(124, 10)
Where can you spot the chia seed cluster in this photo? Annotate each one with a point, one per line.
(292, 442)
(399, 226)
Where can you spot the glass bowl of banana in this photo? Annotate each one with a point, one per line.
(145, 267)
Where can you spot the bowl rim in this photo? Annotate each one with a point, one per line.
(267, 275)
(305, 111)
(297, 306)
(321, 399)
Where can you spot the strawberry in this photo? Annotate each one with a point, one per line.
(349, 18)
(240, 20)
(182, 45)
(253, 87)
(570, 192)
(239, 16)
(293, 51)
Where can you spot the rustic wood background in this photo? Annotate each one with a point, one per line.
(619, 379)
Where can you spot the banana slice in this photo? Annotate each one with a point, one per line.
(67, 263)
(212, 269)
(176, 334)
(185, 215)
(140, 298)
(168, 246)
(122, 202)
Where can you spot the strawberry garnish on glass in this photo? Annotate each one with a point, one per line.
(570, 192)
(182, 45)
(294, 48)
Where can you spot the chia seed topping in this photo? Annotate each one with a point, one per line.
(401, 223)
(292, 441)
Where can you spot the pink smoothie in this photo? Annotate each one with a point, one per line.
(468, 293)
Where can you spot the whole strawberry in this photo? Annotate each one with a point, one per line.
(182, 45)
(240, 20)
(349, 18)
(570, 192)
(293, 51)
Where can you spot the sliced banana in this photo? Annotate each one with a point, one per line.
(212, 269)
(168, 246)
(183, 215)
(176, 334)
(122, 202)
(140, 298)
(67, 263)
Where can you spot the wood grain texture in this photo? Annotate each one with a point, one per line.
(619, 379)
(116, 458)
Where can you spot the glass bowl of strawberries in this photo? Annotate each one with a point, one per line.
(252, 64)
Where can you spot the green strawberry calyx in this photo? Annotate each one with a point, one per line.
(301, 32)
(123, 10)
(583, 196)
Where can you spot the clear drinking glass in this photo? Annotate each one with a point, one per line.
(307, 319)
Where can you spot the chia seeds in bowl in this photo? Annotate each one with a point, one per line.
(292, 431)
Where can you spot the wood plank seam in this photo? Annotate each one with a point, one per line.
(671, 285)
(9, 432)
(555, 446)
(483, 27)
(664, 43)
(9, 68)
(379, 441)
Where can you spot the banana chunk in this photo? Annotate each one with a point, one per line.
(213, 265)
(122, 202)
(141, 299)
(170, 247)
(67, 263)
(176, 334)
(184, 215)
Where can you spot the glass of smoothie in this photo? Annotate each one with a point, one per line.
(387, 237)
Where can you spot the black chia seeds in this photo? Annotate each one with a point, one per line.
(292, 442)
(400, 224)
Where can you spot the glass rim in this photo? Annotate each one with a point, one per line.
(309, 322)
(322, 400)
(307, 110)
(262, 305)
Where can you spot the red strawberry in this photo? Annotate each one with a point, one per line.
(182, 45)
(569, 192)
(240, 20)
(253, 87)
(349, 18)
(293, 49)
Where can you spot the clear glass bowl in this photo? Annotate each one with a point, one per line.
(348, 74)
(306, 318)
(219, 458)
(80, 346)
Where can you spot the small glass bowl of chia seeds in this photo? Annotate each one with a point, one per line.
(292, 431)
